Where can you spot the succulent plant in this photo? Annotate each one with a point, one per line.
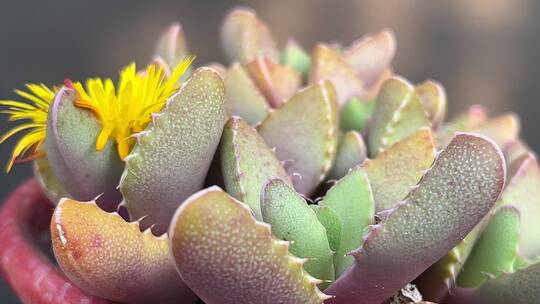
(286, 177)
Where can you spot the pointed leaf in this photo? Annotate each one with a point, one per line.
(398, 169)
(451, 198)
(244, 37)
(331, 222)
(351, 199)
(303, 131)
(49, 183)
(327, 64)
(351, 152)
(398, 113)
(172, 156)
(356, 114)
(371, 55)
(433, 97)
(520, 287)
(84, 172)
(495, 250)
(226, 256)
(296, 57)
(523, 192)
(293, 220)
(247, 163)
(111, 258)
(243, 97)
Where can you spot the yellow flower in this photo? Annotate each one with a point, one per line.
(121, 111)
(128, 109)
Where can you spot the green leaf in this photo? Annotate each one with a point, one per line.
(293, 55)
(226, 256)
(243, 97)
(398, 113)
(523, 192)
(83, 171)
(474, 117)
(328, 64)
(520, 287)
(172, 48)
(49, 183)
(304, 133)
(351, 152)
(247, 163)
(495, 250)
(356, 114)
(245, 37)
(331, 222)
(451, 198)
(351, 199)
(293, 220)
(171, 158)
(396, 170)
(501, 129)
(433, 97)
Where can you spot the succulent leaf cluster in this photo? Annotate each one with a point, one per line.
(295, 177)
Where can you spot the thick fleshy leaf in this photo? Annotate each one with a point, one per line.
(226, 256)
(501, 129)
(396, 170)
(247, 163)
(398, 113)
(520, 287)
(371, 55)
(351, 152)
(351, 199)
(304, 133)
(49, 183)
(111, 258)
(278, 83)
(440, 278)
(245, 37)
(296, 57)
(523, 192)
(243, 97)
(513, 151)
(293, 220)
(172, 157)
(328, 64)
(172, 47)
(356, 114)
(84, 172)
(495, 251)
(473, 118)
(433, 97)
(451, 198)
(331, 222)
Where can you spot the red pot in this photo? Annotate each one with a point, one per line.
(24, 241)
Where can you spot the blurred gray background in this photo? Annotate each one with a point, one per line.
(483, 51)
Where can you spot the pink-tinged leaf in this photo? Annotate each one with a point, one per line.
(304, 133)
(501, 129)
(245, 37)
(396, 170)
(328, 64)
(172, 47)
(226, 256)
(473, 118)
(111, 258)
(514, 151)
(243, 96)
(371, 55)
(523, 192)
(451, 198)
(247, 163)
(83, 171)
(398, 113)
(171, 158)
